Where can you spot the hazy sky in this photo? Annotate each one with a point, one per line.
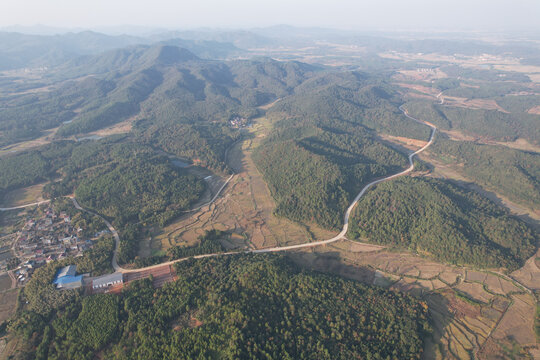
(348, 14)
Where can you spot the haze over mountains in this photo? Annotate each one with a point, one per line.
(31, 49)
(180, 161)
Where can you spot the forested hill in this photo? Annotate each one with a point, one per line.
(436, 218)
(237, 307)
(315, 168)
(356, 98)
(173, 93)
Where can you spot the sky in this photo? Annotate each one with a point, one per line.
(483, 15)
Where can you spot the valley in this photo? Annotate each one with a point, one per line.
(224, 183)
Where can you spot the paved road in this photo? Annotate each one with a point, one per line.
(338, 237)
(25, 206)
(113, 231)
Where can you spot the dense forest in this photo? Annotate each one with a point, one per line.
(435, 218)
(489, 124)
(129, 183)
(234, 307)
(512, 173)
(353, 98)
(314, 170)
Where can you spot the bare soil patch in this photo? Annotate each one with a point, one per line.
(534, 110)
(517, 323)
(8, 303)
(411, 144)
(5, 282)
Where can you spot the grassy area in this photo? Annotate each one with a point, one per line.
(23, 196)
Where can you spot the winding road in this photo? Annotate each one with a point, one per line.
(340, 236)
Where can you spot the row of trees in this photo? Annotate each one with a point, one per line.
(491, 124)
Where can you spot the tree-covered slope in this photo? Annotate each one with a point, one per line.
(480, 123)
(236, 307)
(509, 172)
(314, 170)
(438, 219)
(354, 98)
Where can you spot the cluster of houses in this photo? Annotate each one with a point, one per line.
(51, 237)
(238, 122)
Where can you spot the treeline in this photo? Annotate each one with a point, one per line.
(235, 307)
(438, 219)
(314, 169)
(117, 105)
(23, 117)
(209, 243)
(490, 124)
(127, 182)
(33, 166)
(512, 173)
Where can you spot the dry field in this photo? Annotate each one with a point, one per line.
(8, 302)
(5, 282)
(518, 144)
(534, 110)
(408, 143)
(30, 144)
(23, 196)
(476, 314)
(123, 127)
(486, 104)
(245, 207)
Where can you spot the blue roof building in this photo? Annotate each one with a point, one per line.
(66, 278)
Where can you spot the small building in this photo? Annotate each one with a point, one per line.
(66, 278)
(108, 280)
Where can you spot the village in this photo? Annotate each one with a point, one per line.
(47, 236)
(238, 122)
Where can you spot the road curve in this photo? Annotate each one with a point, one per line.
(345, 228)
(113, 231)
(338, 237)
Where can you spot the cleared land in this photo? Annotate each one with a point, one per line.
(8, 302)
(22, 196)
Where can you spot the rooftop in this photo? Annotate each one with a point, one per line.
(105, 280)
(69, 270)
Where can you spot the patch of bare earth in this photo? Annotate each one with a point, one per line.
(8, 303)
(535, 110)
(408, 143)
